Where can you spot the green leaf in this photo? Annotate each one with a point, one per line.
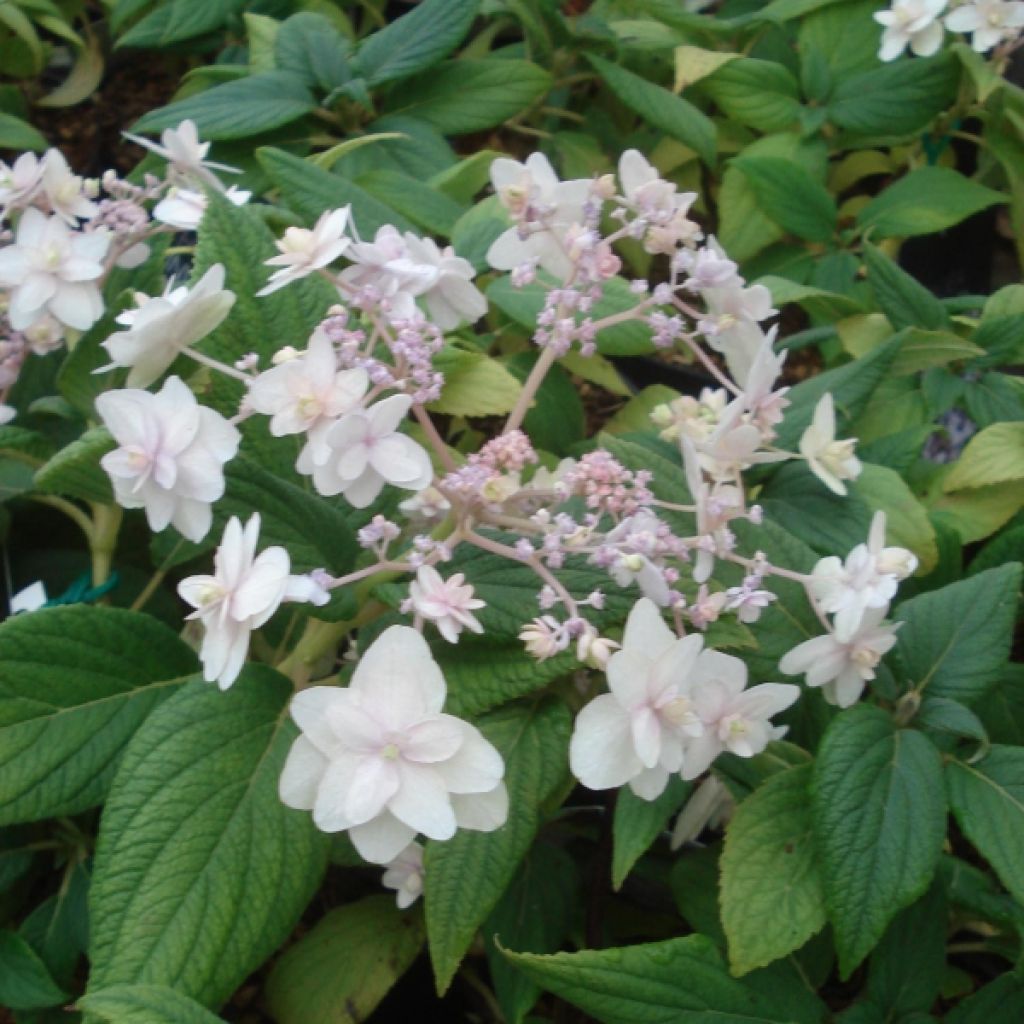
(771, 888)
(144, 1004)
(905, 301)
(201, 872)
(309, 46)
(662, 109)
(416, 41)
(817, 301)
(76, 471)
(758, 93)
(678, 981)
(338, 972)
(19, 135)
(994, 456)
(927, 200)
(237, 110)
(535, 914)
(987, 799)
(474, 385)
(556, 420)
(637, 823)
(463, 96)
(897, 99)
(523, 305)
(791, 197)
(999, 1002)
(426, 207)
(466, 876)
(75, 684)
(921, 350)
(879, 818)
(25, 983)
(58, 928)
(178, 20)
(309, 190)
(955, 641)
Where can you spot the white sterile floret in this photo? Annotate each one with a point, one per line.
(363, 451)
(20, 181)
(448, 603)
(64, 191)
(404, 874)
(380, 759)
(656, 201)
(542, 209)
(636, 732)
(307, 393)
(161, 327)
(182, 149)
(241, 595)
(183, 208)
(842, 669)
(385, 269)
(636, 539)
(868, 578)
(831, 461)
(301, 250)
(452, 298)
(710, 806)
(171, 455)
(913, 23)
(990, 22)
(734, 719)
(52, 269)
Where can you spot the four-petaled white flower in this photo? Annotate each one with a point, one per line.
(241, 595)
(301, 250)
(363, 451)
(989, 21)
(308, 393)
(636, 733)
(831, 461)
(51, 269)
(842, 669)
(182, 149)
(171, 455)
(404, 874)
(380, 759)
(733, 718)
(448, 603)
(868, 578)
(542, 209)
(913, 23)
(160, 327)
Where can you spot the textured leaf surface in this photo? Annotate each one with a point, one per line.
(144, 1004)
(679, 981)
(75, 684)
(988, 801)
(879, 815)
(637, 823)
(75, 470)
(200, 871)
(955, 641)
(25, 983)
(466, 876)
(771, 890)
(340, 971)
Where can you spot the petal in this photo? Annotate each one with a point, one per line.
(601, 753)
(300, 778)
(381, 840)
(433, 740)
(646, 630)
(481, 812)
(422, 803)
(476, 767)
(374, 782)
(650, 783)
(399, 676)
(310, 710)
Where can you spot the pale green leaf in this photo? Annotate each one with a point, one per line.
(144, 1004)
(994, 456)
(474, 385)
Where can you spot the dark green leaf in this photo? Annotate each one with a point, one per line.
(905, 301)
(637, 823)
(791, 197)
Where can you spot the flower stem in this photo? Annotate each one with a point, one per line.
(106, 521)
(533, 382)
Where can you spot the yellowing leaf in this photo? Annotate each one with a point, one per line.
(475, 385)
(635, 415)
(694, 63)
(860, 334)
(994, 456)
(977, 512)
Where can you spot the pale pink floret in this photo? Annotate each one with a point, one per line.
(381, 760)
(303, 251)
(449, 604)
(404, 874)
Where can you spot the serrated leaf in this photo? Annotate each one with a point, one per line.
(75, 684)
(879, 818)
(637, 823)
(237, 110)
(987, 799)
(178, 20)
(308, 45)
(904, 300)
(415, 41)
(678, 981)
(309, 190)
(463, 96)
(144, 1004)
(993, 456)
(338, 972)
(955, 641)
(788, 195)
(466, 876)
(75, 470)
(661, 108)
(757, 93)
(771, 888)
(200, 870)
(927, 200)
(429, 209)
(474, 385)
